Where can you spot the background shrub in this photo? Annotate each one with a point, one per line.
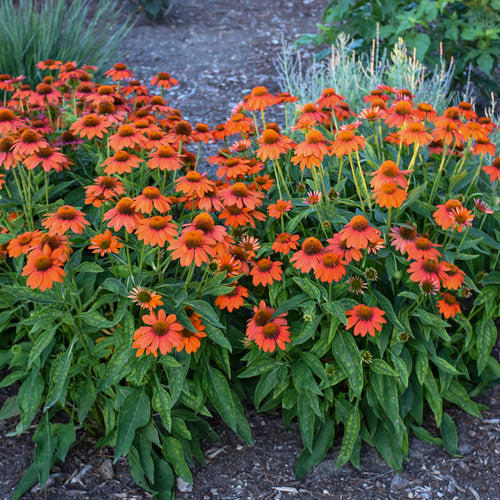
(58, 29)
(468, 32)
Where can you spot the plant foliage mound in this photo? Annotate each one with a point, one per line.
(340, 265)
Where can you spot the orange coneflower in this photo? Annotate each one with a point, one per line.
(422, 248)
(310, 116)
(467, 110)
(375, 95)
(277, 209)
(274, 333)
(29, 143)
(194, 183)
(64, 219)
(233, 168)
(104, 188)
(425, 111)
(272, 145)
(446, 131)
(309, 256)
(232, 300)
(119, 72)
(449, 306)
(493, 170)
(49, 64)
(151, 198)
(389, 172)
(228, 264)
(202, 133)
(374, 246)
(371, 114)
(239, 124)
(472, 130)
(44, 267)
(482, 207)
(338, 245)
(427, 269)
(443, 214)
(311, 152)
(343, 111)
(127, 136)
(429, 287)
(241, 146)
(389, 195)
(484, 146)
(105, 243)
(192, 246)
(235, 216)
(415, 133)
(346, 142)
(144, 298)
(285, 242)
(365, 319)
(123, 215)
(164, 80)
(251, 246)
(165, 158)
(120, 163)
(262, 314)
(90, 126)
(155, 139)
(45, 95)
(8, 158)
(403, 236)
(191, 336)
(313, 198)
(210, 201)
(330, 268)
(263, 182)
(242, 196)
(329, 98)
(70, 71)
(182, 131)
(162, 332)
(9, 122)
(259, 99)
(400, 113)
(49, 158)
(358, 233)
(455, 277)
(265, 272)
(56, 242)
(357, 285)
(23, 243)
(461, 218)
(156, 230)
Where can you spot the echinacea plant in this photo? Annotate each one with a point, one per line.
(341, 267)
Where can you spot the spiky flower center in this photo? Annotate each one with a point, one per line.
(312, 246)
(193, 176)
(345, 135)
(193, 239)
(66, 212)
(161, 328)
(389, 188)
(264, 264)
(157, 222)
(450, 299)
(270, 331)
(239, 189)
(165, 151)
(403, 108)
(365, 313)
(151, 193)
(430, 266)
(30, 136)
(91, 120)
(270, 136)
(314, 137)
(202, 127)
(331, 259)
(126, 131)
(183, 128)
(125, 206)
(359, 223)
(45, 152)
(42, 263)
(309, 108)
(121, 156)
(259, 91)
(262, 317)
(204, 222)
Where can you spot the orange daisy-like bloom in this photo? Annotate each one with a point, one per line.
(9, 122)
(403, 236)
(277, 209)
(467, 110)
(448, 306)
(443, 214)
(329, 98)
(311, 152)
(309, 256)
(202, 133)
(104, 188)
(461, 218)
(191, 337)
(492, 170)
(120, 163)
(310, 116)
(235, 216)
(127, 136)
(313, 198)
(259, 99)
(415, 133)
(105, 243)
(242, 196)
(342, 111)
(374, 246)
(123, 215)
(156, 230)
(90, 126)
(29, 143)
(455, 277)
(484, 146)
(217, 234)
(44, 267)
(119, 72)
(251, 246)
(331, 268)
(192, 246)
(145, 299)
(389, 195)
(56, 242)
(163, 332)
(402, 112)
(285, 242)
(194, 183)
(389, 172)
(338, 245)
(422, 248)
(232, 300)
(263, 182)
(262, 314)
(164, 80)
(346, 141)
(49, 64)
(165, 158)
(429, 287)
(8, 159)
(358, 233)
(210, 201)
(365, 319)
(233, 168)
(64, 219)
(472, 129)
(427, 269)
(447, 131)
(272, 334)
(48, 158)
(425, 111)
(23, 243)
(151, 198)
(239, 124)
(228, 264)
(265, 272)
(272, 145)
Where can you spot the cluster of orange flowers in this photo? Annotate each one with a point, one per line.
(144, 145)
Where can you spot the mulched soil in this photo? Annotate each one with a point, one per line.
(219, 50)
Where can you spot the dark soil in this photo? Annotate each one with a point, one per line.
(219, 50)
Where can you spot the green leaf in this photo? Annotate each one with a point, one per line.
(134, 413)
(388, 309)
(85, 397)
(215, 334)
(425, 435)
(162, 403)
(266, 384)
(115, 286)
(485, 340)
(456, 393)
(306, 420)
(381, 367)
(430, 319)
(290, 304)
(258, 367)
(337, 309)
(89, 267)
(28, 399)
(220, 395)
(421, 366)
(96, 320)
(174, 453)
(449, 435)
(351, 432)
(445, 365)
(349, 358)
(310, 288)
(9, 408)
(205, 310)
(41, 343)
(29, 479)
(117, 367)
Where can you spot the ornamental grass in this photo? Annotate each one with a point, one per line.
(340, 265)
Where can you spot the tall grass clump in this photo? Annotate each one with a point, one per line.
(68, 30)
